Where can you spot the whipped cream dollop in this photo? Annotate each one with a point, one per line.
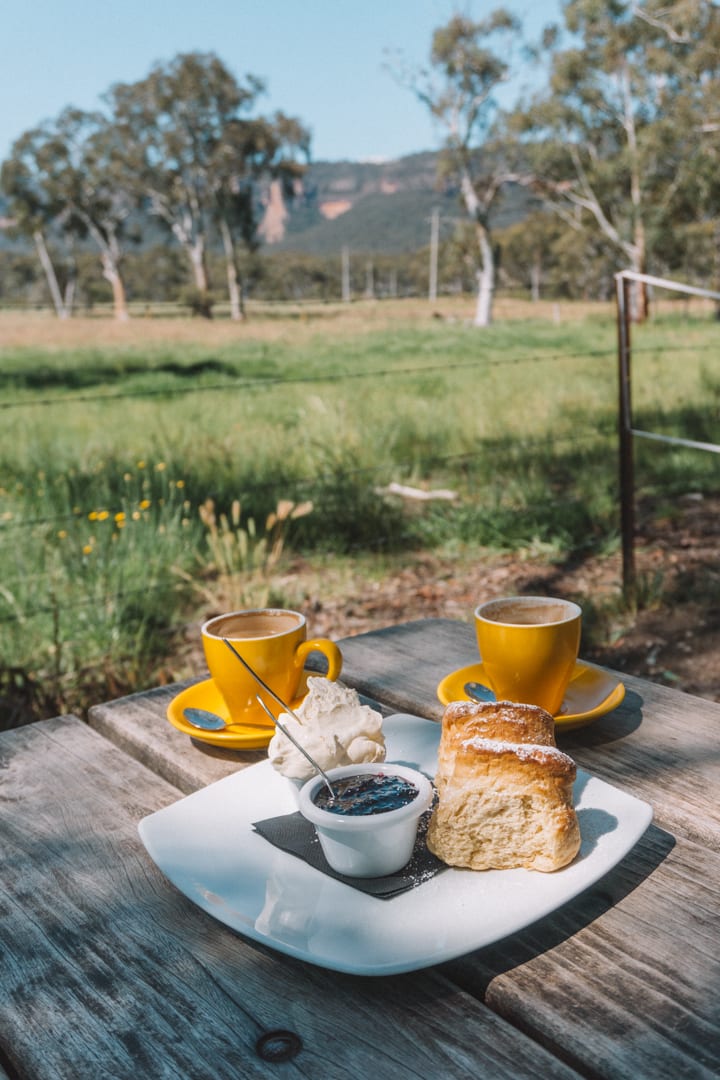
(335, 729)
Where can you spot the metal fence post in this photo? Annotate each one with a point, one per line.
(625, 435)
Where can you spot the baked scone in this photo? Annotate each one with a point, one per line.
(504, 790)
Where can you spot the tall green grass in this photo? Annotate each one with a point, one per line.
(108, 454)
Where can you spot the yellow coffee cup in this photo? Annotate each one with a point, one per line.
(529, 647)
(274, 643)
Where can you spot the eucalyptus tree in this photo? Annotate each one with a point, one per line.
(38, 210)
(470, 63)
(618, 133)
(251, 154)
(67, 175)
(196, 153)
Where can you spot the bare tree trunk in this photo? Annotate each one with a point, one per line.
(434, 243)
(486, 280)
(69, 295)
(237, 307)
(485, 274)
(61, 309)
(535, 278)
(641, 299)
(193, 244)
(196, 251)
(112, 274)
(640, 302)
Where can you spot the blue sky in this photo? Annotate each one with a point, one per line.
(322, 60)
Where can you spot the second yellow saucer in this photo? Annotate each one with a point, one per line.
(591, 693)
(236, 736)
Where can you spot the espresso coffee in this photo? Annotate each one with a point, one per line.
(256, 624)
(532, 613)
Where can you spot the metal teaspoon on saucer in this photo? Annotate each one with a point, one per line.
(478, 692)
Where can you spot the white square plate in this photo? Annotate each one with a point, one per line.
(206, 846)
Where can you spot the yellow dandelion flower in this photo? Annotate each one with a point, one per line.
(127, 477)
(87, 550)
(141, 464)
(121, 524)
(62, 535)
(120, 516)
(103, 515)
(93, 515)
(180, 484)
(144, 504)
(160, 467)
(136, 515)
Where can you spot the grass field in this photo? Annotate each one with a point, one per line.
(139, 463)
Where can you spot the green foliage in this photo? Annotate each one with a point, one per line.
(618, 137)
(199, 301)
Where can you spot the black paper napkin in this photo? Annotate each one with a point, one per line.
(294, 834)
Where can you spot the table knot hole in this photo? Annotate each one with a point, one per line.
(278, 1045)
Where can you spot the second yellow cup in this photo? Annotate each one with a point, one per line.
(274, 643)
(528, 647)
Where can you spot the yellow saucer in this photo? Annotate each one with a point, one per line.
(591, 693)
(237, 736)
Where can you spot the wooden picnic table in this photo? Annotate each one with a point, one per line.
(107, 970)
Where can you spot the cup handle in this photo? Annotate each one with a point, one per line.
(328, 648)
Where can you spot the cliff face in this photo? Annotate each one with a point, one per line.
(381, 207)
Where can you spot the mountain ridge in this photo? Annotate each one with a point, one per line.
(378, 207)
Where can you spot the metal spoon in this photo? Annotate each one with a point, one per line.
(297, 746)
(479, 692)
(201, 718)
(285, 708)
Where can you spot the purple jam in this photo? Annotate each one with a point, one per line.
(366, 793)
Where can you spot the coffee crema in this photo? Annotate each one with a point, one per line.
(531, 613)
(255, 625)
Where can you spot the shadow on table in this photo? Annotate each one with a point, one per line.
(475, 971)
(618, 724)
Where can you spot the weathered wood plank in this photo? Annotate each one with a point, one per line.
(619, 982)
(660, 745)
(108, 971)
(138, 725)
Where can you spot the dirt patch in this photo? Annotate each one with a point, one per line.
(671, 637)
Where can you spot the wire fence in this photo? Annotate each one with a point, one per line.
(11, 528)
(626, 282)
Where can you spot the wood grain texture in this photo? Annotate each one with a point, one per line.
(138, 724)
(620, 981)
(108, 971)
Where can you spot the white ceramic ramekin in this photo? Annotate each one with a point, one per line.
(370, 845)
